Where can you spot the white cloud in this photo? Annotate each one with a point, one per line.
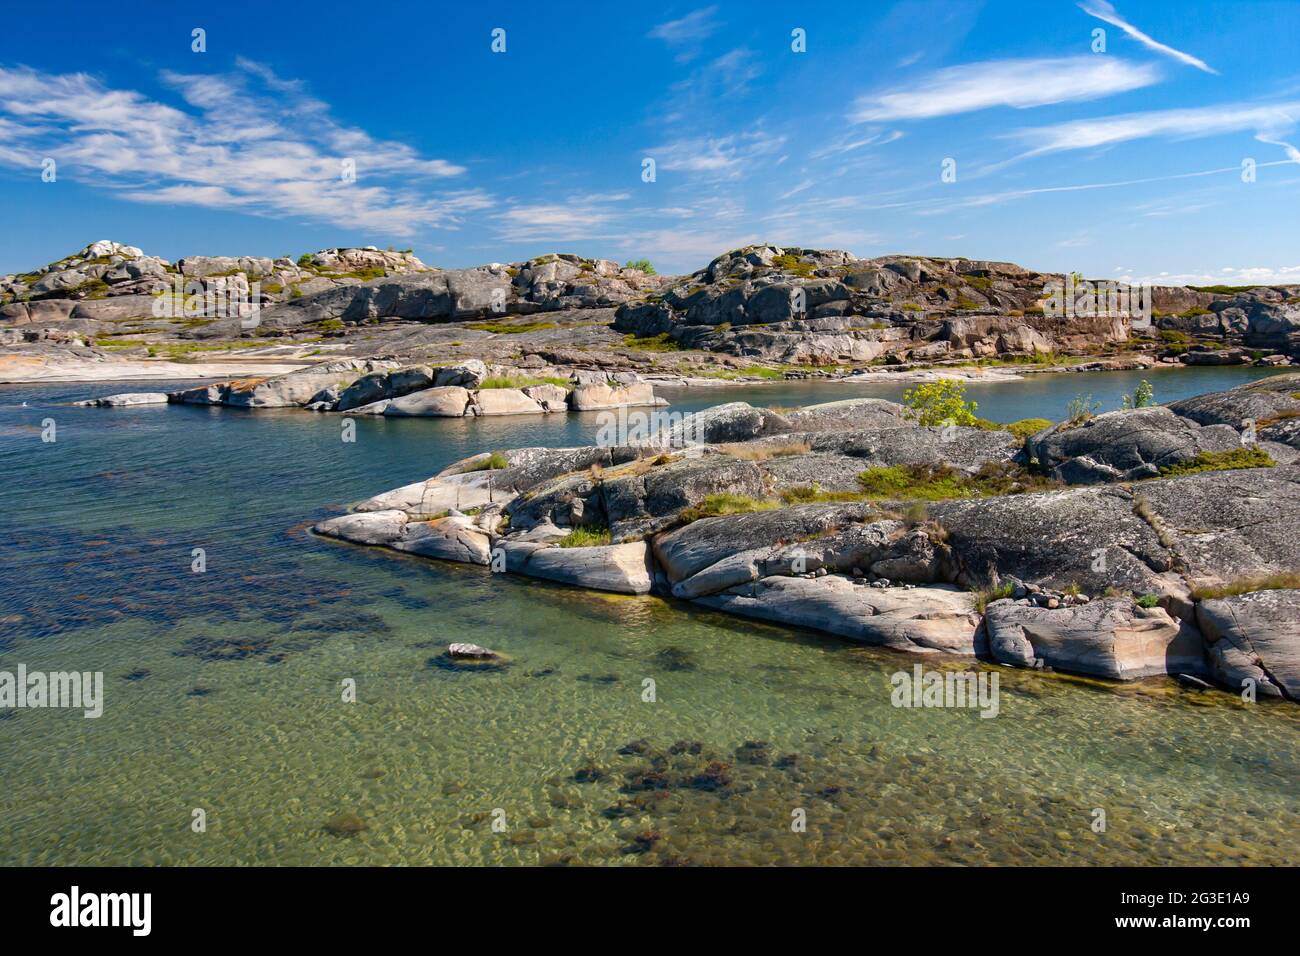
(695, 26)
(249, 141)
(1268, 123)
(722, 157)
(1016, 83)
(1104, 11)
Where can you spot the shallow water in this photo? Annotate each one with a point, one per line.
(223, 689)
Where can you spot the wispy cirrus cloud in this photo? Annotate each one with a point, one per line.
(723, 157)
(1107, 13)
(696, 26)
(245, 140)
(1268, 122)
(1019, 83)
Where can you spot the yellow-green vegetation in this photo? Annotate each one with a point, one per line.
(520, 381)
(750, 451)
(942, 482)
(330, 325)
(585, 538)
(1173, 336)
(749, 371)
(966, 304)
(984, 598)
(726, 503)
(942, 402)
(979, 282)
(1081, 408)
(1148, 600)
(805, 494)
(1252, 457)
(492, 462)
(1285, 581)
(509, 328)
(1142, 397)
(1027, 426)
(663, 342)
(642, 264)
(789, 263)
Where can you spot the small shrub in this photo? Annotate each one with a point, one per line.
(1173, 336)
(1143, 396)
(1082, 408)
(984, 598)
(642, 264)
(1252, 457)
(940, 403)
(1148, 600)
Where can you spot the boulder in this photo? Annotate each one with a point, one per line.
(553, 398)
(1108, 637)
(453, 538)
(504, 401)
(621, 568)
(375, 527)
(732, 422)
(468, 374)
(449, 401)
(587, 398)
(847, 415)
(1254, 636)
(925, 620)
(1125, 445)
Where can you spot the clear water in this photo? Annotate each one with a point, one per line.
(223, 690)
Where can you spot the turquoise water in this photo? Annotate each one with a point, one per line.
(224, 689)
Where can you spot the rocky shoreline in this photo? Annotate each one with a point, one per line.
(1138, 543)
(753, 314)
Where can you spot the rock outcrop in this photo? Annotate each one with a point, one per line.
(1099, 579)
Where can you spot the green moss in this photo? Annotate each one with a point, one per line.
(520, 381)
(725, 504)
(1252, 457)
(493, 462)
(805, 494)
(1027, 426)
(585, 538)
(943, 482)
(663, 342)
(507, 328)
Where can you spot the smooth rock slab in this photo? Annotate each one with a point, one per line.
(927, 620)
(1109, 637)
(453, 538)
(372, 527)
(126, 399)
(622, 568)
(1256, 636)
(449, 401)
(587, 398)
(504, 401)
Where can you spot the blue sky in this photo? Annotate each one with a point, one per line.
(1122, 163)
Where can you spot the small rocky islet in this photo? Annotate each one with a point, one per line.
(1133, 544)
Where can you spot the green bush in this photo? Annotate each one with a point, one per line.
(642, 264)
(492, 462)
(942, 402)
(1142, 396)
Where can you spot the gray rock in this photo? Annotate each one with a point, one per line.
(504, 401)
(1254, 636)
(445, 402)
(129, 398)
(621, 568)
(1111, 637)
